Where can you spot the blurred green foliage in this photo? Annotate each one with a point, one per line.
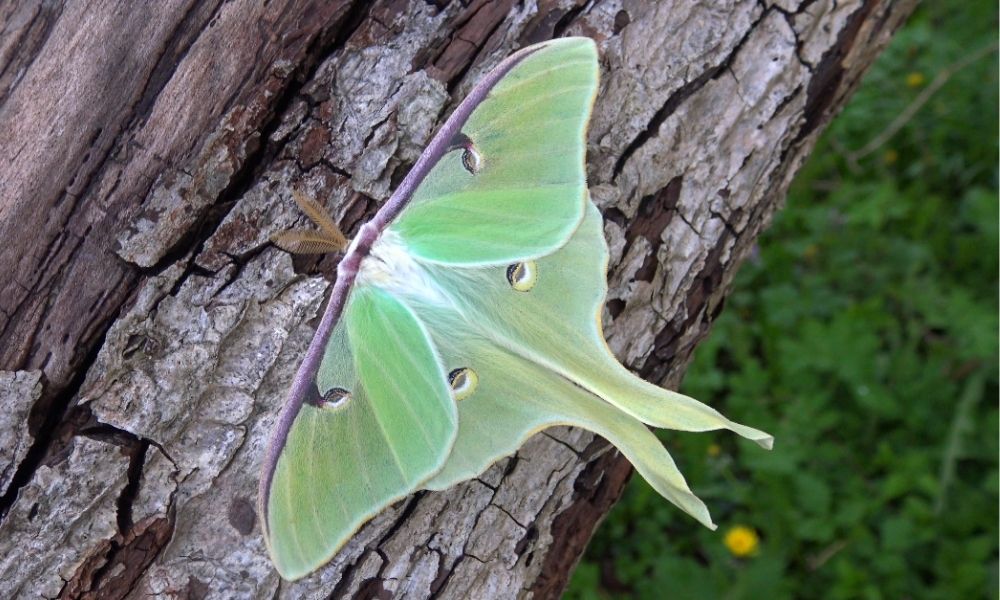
(863, 335)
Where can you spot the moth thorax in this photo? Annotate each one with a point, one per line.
(463, 382)
(522, 275)
(335, 397)
(391, 267)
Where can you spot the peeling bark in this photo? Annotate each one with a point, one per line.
(148, 331)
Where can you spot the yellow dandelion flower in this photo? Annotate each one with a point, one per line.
(742, 541)
(714, 450)
(915, 79)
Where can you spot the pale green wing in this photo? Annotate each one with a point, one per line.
(515, 398)
(556, 324)
(382, 423)
(513, 186)
(535, 344)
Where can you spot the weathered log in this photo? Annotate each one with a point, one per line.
(149, 330)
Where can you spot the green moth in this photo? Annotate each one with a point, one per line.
(466, 316)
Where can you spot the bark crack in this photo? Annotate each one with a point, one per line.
(683, 93)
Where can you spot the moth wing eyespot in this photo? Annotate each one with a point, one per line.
(335, 397)
(471, 160)
(522, 276)
(463, 382)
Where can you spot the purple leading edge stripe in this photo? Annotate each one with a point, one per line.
(304, 386)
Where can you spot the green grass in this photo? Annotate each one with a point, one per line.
(864, 337)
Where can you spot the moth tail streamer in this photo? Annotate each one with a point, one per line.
(663, 408)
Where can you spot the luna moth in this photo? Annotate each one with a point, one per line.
(465, 317)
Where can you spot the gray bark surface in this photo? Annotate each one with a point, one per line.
(148, 330)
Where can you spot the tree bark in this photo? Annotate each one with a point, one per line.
(148, 330)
